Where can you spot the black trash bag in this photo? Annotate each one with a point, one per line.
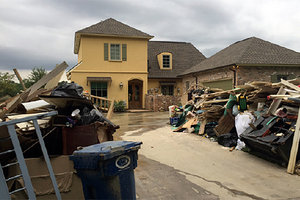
(90, 116)
(227, 140)
(209, 129)
(68, 90)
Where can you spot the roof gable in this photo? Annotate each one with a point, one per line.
(184, 56)
(113, 27)
(251, 51)
(110, 27)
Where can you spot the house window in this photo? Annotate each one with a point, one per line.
(99, 89)
(166, 61)
(284, 77)
(275, 78)
(115, 52)
(167, 90)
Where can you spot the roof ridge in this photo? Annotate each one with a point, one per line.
(102, 22)
(164, 41)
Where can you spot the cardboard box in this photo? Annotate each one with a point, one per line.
(68, 182)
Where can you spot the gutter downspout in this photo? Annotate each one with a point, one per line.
(234, 69)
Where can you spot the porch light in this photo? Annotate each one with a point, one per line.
(121, 85)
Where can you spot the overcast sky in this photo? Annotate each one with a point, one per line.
(41, 33)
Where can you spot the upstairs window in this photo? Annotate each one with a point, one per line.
(166, 61)
(115, 52)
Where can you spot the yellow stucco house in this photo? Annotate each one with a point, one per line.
(119, 62)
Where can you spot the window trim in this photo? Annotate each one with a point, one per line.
(160, 60)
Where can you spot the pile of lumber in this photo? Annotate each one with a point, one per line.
(209, 107)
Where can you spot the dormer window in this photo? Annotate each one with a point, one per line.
(165, 60)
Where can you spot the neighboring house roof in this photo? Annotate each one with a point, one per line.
(184, 55)
(251, 51)
(109, 27)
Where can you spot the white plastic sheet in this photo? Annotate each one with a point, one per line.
(242, 121)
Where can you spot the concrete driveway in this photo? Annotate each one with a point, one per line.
(186, 166)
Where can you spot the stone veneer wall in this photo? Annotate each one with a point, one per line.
(249, 74)
(158, 102)
(215, 74)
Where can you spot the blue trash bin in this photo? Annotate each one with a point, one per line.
(107, 169)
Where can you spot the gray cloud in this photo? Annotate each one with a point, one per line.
(41, 33)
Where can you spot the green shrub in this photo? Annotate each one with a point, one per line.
(119, 106)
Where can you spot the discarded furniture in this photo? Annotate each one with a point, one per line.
(272, 139)
(85, 135)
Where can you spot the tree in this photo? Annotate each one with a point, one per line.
(36, 74)
(7, 85)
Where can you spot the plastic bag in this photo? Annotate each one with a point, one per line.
(227, 140)
(242, 122)
(240, 145)
(89, 116)
(68, 90)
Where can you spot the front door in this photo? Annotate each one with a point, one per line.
(135, 92)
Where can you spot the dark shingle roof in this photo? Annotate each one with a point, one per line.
(251, 51)
(184, 55)
(113, 27)
(110, 27)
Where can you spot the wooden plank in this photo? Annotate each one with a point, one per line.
(110, 110)
(290, 85)
(295, 146)
(57, 70)
(54, 81)
(280, 96)
(216, 101)
(179, 128)
(189, 123)
(202, 127)
(102, 98)
(225, 124)
(276, 102)
(20, 79)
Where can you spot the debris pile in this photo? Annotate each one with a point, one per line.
(259, 117)
(78, 123)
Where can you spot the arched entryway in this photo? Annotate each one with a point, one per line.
(135, 94)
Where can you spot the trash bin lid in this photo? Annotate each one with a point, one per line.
(107, 150)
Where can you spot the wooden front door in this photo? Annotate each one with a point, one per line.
(135, 94)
